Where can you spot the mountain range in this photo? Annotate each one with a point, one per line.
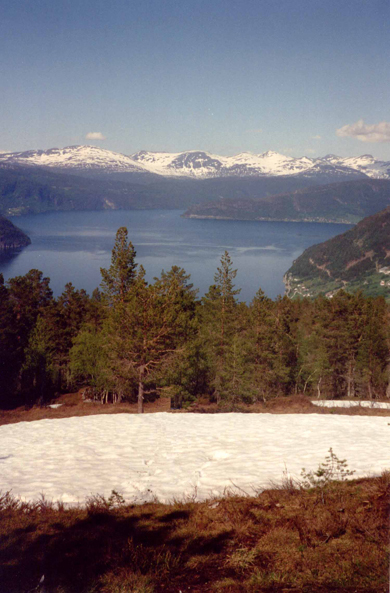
(356, 260)
(197, 164)
(269, 186)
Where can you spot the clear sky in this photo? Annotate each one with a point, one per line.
(224, 76)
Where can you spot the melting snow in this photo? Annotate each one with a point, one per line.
(179, 455)
(351, 404)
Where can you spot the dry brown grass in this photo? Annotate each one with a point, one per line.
(73, 405)
(293, 404)
(284, 539)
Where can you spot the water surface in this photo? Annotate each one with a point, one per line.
(73, 246)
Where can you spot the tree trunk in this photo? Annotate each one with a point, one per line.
(318, 388)
(141, 390)
(369, 387)
(351, 380)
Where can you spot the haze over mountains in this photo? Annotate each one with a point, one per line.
(198, 164)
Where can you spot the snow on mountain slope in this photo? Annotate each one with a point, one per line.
(194, 163)
(75, 157)
(203, 164)
(199, 164)
(365, 164)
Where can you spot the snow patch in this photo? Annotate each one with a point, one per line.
(180, 455)
(351, 404)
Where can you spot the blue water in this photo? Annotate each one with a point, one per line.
(73, 246)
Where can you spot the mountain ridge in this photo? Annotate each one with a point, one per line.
(197, 164)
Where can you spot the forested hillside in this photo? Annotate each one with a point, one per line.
(11, 237)
(132, 341)
(356, 260)
(346, 202)
(30, 190)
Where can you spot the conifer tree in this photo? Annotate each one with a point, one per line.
(274, 345)
(90, 361)
(373, 350)
(312, 365)
(117, 280)
(218, 321)
(343, 325)
(30, 295)
(10, 354)
(154, 323)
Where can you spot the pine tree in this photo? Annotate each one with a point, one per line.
(30, 295)
(117, 280)
(218, 322)
(373, 351)
(274, 345)
(10, 354)
(313, 366)
(154, 323)
(90, 362)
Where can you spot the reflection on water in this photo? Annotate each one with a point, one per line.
(73, 246)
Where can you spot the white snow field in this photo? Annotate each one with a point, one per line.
(350, 403)
(171, 456)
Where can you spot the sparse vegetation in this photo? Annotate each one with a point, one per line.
(330, 471)
(280, 540)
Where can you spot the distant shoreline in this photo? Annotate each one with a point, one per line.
(263, 219)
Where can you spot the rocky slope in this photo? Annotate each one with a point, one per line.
(11, 237)
(356, 260)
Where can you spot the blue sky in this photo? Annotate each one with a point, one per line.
(216, 75)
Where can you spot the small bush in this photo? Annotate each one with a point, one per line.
(332, 470)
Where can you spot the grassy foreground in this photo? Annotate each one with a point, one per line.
(285, 539)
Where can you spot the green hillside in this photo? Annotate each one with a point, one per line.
(356, 260)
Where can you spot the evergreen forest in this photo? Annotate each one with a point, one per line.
(134, 341)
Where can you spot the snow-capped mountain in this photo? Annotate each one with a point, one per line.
(74, 157)
(203, 164)
(365, 164)
(199, 164)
